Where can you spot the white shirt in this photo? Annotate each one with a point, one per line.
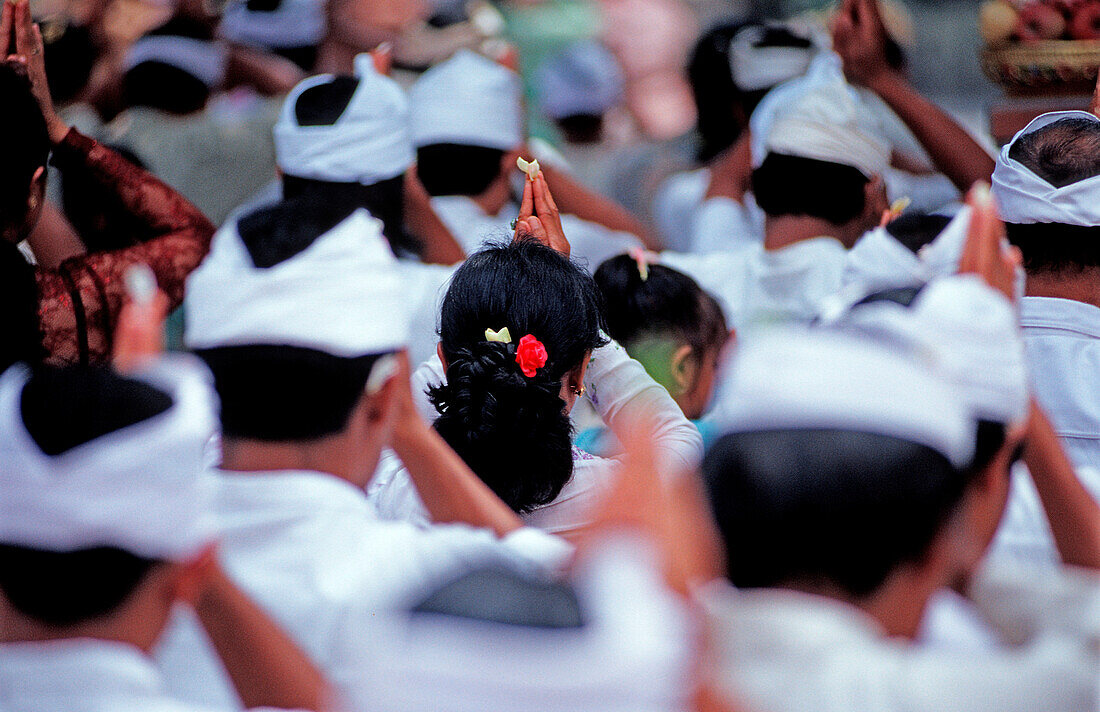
(757, 287)
(631, 654)
(589, 242)
(621, 392)
(786, 651)
(310, 550)
(82, 675)
(1062, 338)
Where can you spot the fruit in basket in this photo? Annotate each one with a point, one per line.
(1040, 21)
(997, 20)
(1084, 24)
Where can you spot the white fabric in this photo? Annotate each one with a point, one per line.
(675, 204)
(819, 116)
(1062, 338)
(469, 100)
(794, 379)
(202, 59)
(584, 78)
(726, 225)
(790, 652)
(1025, 198)
(631, 654)
(623, 395)
(308, 547)
(754, 68)
(343, 294)
(82, 675)
(757, 288)
(141, 489)
(294, 23)
(368, 143)
(972, 332)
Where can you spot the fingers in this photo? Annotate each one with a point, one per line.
(547, 194)
(6, 46)
(140, 332)
(527, 204)
(1094, 107)
(24, 40)
(544, 206)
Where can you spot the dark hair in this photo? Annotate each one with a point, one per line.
(512, 430)
(826, 508)
(1061, 153)
(19, 324)
(791, 185)
(65, 588)
(581, 128)
(667, 304)
(457, 169)
(1055, 247)
(915, 230)
(162, 86)
(70, 54)
(95, 211)
(285, 393)
(27, 149)
(64, 407)
(384, 200)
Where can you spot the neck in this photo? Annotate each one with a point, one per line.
(329, 455)
(1081, 286)
(786, 230)
(140, 629)
(335, 57)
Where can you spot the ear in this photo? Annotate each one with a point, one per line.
(875, 201)
(684, 369)
(576, 378)
(192, 576)
(439, 353)
(377, 406)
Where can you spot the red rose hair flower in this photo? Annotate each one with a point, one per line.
(530, 355)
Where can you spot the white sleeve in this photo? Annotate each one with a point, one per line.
(625, 396)
(429, 373)
(722, 225)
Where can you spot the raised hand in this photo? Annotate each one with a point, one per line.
(859, 37)
(139, 335)
(539, 217)
(985, 253)
(23, 48)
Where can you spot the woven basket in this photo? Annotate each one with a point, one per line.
(1046, 67)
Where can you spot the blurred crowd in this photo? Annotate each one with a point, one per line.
(536, 354)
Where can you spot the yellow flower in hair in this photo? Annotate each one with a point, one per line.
(501, 336)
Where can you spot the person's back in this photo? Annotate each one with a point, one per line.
(1047, 189)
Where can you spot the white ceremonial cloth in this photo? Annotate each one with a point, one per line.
(622, 394)
(141, 488)
(205, 60)
(294, 23)
(470, 100)
(310, 550)
(1025, 198)
(343, 294)
(789, 652)
(82, 675)
(754, 68)
(632, 653)
(369, 142)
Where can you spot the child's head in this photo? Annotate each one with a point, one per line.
(667, 322)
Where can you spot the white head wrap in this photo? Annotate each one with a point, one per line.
(754, 68)
(469, 100)
(972, 332)
(803, 380)
(368, 143)
(585, 78)
(202, 59)
(143, 489)
(342, 295)
(1025, 198)
(819, 116)
(292, 23)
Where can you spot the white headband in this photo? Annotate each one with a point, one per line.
(754, 68)
(468, 100)
(367, 144)
(201, 59)
(789, 379)
(143, 489)
(342, 295)
(973, 333)
(293, 23)
(819, 116)
(1025, 198)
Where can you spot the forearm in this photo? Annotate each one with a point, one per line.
(53, 240)
(953, 151)
(450, 491)
(575, 199)
(266, 667)
(1073, 514)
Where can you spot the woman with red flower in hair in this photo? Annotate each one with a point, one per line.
(521, 339)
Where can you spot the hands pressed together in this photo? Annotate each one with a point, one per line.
(539, 217)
